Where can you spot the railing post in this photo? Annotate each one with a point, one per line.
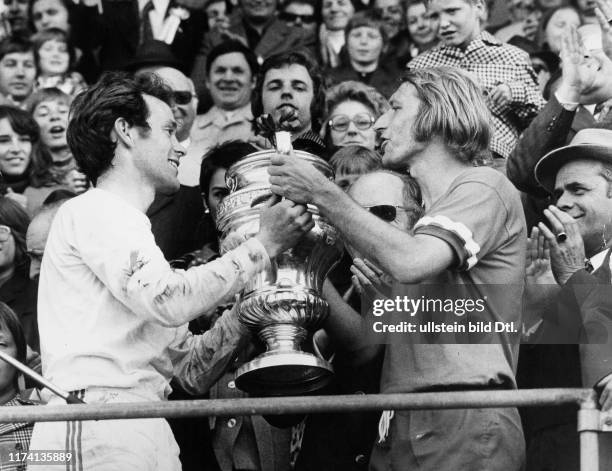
(588, 430)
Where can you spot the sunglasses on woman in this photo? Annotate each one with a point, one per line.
(386, 212)
(341, 122)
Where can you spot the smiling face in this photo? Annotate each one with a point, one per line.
(582, 192)
(49, 14)
(52, 118)
(17, 74)
(337, 13)
(459, 20)
(365, 44)
(421, 27)
(230, 81)
(53, 58)
(354, 111)
(289, 91)
(15, 150)
(398, 144)
(157, 151)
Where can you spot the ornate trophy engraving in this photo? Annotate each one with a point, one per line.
(284, 303)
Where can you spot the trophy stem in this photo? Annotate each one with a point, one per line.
(283, 337)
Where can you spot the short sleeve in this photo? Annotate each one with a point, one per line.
(470, 218)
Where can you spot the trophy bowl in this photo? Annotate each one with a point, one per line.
(282, 304)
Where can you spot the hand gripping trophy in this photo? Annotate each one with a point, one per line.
(282, 305)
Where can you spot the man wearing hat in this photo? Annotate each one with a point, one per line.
(579, 235)
(585, 81)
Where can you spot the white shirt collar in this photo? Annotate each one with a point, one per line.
(598, 259)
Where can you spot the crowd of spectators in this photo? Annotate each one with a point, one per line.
(399, 96)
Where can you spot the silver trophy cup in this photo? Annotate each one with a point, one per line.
(283, 304)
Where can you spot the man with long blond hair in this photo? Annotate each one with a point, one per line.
(471, 236)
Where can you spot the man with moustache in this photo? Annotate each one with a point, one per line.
(290, 88)
(472, 235)
(230, 77)
(504, 71)
(256, 25)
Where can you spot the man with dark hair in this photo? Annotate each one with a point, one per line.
(230, 77)
(291, 89)
(118, 331)
(17, 69)
(471, 236)
(255, 24)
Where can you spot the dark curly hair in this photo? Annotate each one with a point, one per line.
(301, 57)
(95, 111)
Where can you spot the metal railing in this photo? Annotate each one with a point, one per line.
(591, 421)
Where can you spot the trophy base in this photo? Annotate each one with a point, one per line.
(288, 373)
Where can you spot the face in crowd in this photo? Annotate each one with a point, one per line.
(16, 13)
(8, 373)
(230, 81)
(337, 13)
(583, 189)
(459, 20)
(299, 15)
(36, 239)
(216, 191)
(15, 150)
(258, 11)
(217, 16)
(52, 119)
(17, 75)
(365, 45)
(392, 14)
(53, 58)
(421, 27)
(352, 123)
(48, 14)
(185, 101)
(289, 92)
(558, 25)
(383, 195)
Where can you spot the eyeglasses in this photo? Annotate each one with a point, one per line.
(341, 122)
(183, 98)
(5, 232)
(292, 17)
(386, 212)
